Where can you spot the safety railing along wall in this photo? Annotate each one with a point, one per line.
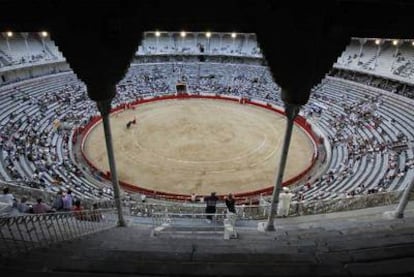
(150, 209)
(261, 211)
(21, 233)
(187, 223)
(20, 189)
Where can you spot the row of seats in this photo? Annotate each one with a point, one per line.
(26, 49)
(403, 89)
(379, 166)
(251, 81)
(34, 149)
(196, 43)
(390, 58)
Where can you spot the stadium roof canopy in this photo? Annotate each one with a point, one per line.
(300, 39)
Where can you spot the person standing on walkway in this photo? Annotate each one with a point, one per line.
(193, 197)
(211, 202)
(285, 197)
(230, 203)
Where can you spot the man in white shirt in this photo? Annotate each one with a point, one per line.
(7, 197)
(6, 201)
(285, 197)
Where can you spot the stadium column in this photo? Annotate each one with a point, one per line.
(291, 112)
(104, 108)
(399, 212)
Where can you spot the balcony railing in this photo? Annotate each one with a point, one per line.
(25, 232)
(260, 212)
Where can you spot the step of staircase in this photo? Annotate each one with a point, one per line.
(328, 245)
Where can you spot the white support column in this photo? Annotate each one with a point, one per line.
(25, 36)
(399, 212)
(397, 48)
(381, 42)
(8, 44)
(362, 41)
(144, 43)
(221, 41)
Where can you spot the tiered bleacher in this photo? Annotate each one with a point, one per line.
(389, 58)
(199, 43)
(25, 49)
(368, 127)
(371, 138)
(38, 124)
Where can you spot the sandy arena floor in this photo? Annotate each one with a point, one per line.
(200, 146)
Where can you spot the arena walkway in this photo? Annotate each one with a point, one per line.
(354, 243)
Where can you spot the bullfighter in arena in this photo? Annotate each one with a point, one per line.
(128, 125)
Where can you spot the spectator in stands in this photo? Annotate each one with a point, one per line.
(23, 207)
(285, 197)
(40, 207)
(7, 198)
(67, 201)
(193, 198)
(77, 208)
(211, 202)
(58, 202)
(96, 214)
(301, 197)
(230, 203)
(57, 180)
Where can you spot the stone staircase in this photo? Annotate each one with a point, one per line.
(355, 243)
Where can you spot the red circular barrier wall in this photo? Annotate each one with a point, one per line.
(300, 121)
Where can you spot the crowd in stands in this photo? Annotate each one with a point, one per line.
(383, 83)
(249, 81)
(63, 202)
(363, 134)
(198, 44)
(37, 131)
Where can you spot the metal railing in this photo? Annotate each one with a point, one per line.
(22, 233)
(188, 223)
(21, 188)
(261, 211)
(151, 209)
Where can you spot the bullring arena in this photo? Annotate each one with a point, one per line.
(199, 111)
(184, 146)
